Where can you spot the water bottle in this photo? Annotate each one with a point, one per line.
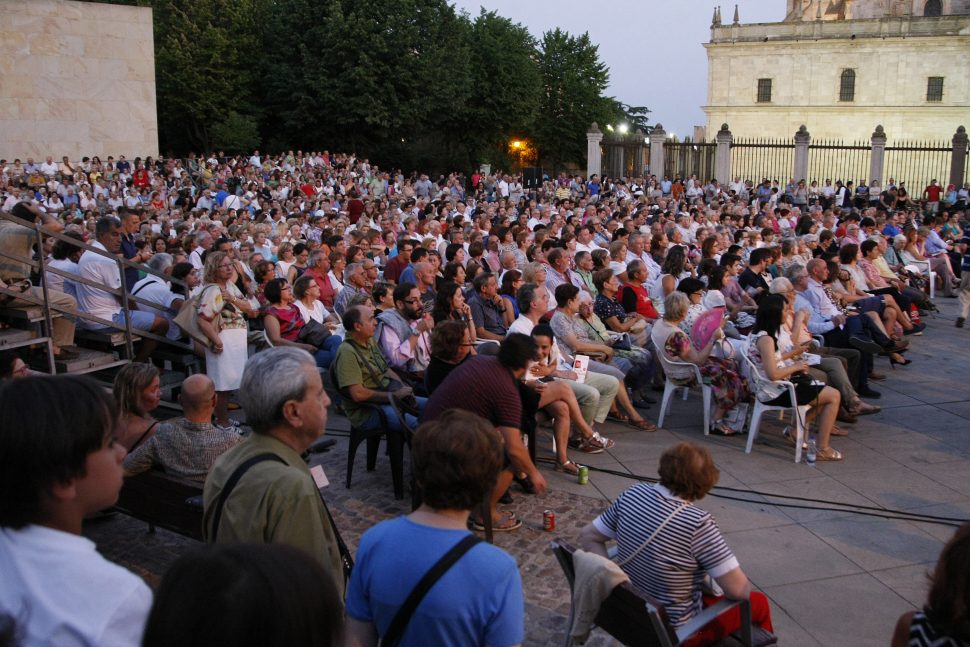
(812, 452)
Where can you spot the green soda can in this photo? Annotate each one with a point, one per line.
(583, 475)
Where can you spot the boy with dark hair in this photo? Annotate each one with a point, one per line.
(58, 466)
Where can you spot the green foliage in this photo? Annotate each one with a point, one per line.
(236, 133)
(409, 82)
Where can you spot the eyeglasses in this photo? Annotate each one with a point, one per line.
(412, 301)
(285, 287)
(221, 266)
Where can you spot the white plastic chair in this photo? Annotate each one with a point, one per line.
(672, 368)
(799, 413)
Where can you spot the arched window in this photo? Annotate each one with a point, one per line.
(847, 86)
(933, 8)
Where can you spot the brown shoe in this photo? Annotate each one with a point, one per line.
(846, 416)
(864, 409)
(876, 376)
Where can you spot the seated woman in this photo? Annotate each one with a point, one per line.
(451, 344)
(579, 330)
(895, 304)
(634, 296)
(449, 305)
(511, 282)
(608, 308)
(729, 386)
(765, 351)
(563, 412)
(943, 620)
(740, 305)
(914, 252)
(666, 544)
(284, 321)
(137, 388)
(694, 290)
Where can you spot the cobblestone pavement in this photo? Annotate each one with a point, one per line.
(833, 577)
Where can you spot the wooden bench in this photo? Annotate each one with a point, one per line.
(165, 501)
(636, 619)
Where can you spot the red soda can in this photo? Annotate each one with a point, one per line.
(549, 521)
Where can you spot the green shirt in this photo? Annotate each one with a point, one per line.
(364, 365)
(272, 504)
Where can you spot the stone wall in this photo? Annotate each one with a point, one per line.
(891, 73)
(76, 79)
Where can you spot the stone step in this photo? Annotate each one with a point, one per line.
(88, 360)
(10, 337)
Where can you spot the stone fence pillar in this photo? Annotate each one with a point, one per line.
(594, 155)
(802, 140)
(958, 164)
(877, 163)
(722, 155)
(657, 138)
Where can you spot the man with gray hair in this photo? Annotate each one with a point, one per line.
(203, 243)
(158, 291)
(355, 284)
(261, 491)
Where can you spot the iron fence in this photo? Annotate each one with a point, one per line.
(838, 160)
(689, 158)
(916, 163)
(759, 158)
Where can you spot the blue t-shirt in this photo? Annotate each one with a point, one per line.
(477, 602)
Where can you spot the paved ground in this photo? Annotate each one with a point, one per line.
(833, 577)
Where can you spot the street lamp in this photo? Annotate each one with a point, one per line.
(623, 129)
(516, 144)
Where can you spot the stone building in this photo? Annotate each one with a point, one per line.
(76, 78)
(841, 67)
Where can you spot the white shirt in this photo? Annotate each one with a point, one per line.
(318, 314)
(151, 288)
(91, 300)
(62, 592)
(58, 282)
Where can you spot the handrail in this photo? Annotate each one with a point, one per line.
(121, 293)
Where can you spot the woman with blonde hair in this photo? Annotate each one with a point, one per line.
(222, 317)
(138, 391)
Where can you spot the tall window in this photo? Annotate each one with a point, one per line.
(764, 90)
(934, 88)
(847, 86)
(933, 8)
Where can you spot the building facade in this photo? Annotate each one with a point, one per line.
(840, 67)
(76, 79)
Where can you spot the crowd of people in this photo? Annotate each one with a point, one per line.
(472, 309)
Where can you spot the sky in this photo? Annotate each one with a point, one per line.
(653, 48)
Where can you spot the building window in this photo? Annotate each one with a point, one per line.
(934, 88)
(764, 90)
(847, 86)
(933, 8)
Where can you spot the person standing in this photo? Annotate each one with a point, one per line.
(222, 317)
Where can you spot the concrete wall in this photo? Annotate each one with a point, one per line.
(805, 62)
(76, 79)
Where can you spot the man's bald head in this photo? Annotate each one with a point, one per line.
(197, 393)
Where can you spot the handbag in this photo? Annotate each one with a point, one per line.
(188, 319)
(314, 333)
(623, 342)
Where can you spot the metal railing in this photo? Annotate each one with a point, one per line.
(126, 300)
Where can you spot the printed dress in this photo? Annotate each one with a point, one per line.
(729, 386)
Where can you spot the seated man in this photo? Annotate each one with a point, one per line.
(488, 308)
(754, 279)
(403, 333)
(277, 501)
(159, 291)
(57, 466)
(457, 459)
(363, 376)
(107, 305)
(684, 544)
(188, 446)
(355, 285)
(495, 382)
(17, 240)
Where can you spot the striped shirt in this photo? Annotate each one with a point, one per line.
(672, 566)
(922, 633)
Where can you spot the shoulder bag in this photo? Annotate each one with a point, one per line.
(346, 559)
(188, 319)
(400, 621)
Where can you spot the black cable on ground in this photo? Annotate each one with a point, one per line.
(863, 510)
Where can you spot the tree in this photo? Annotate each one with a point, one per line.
(573, 81)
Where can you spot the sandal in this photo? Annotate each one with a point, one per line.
(618, 417)
(838, 431)
(508, 522)
(642, 425)
(789, 435)
(569, 467)
(595, 444)
(828, 454)
(721, 429)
